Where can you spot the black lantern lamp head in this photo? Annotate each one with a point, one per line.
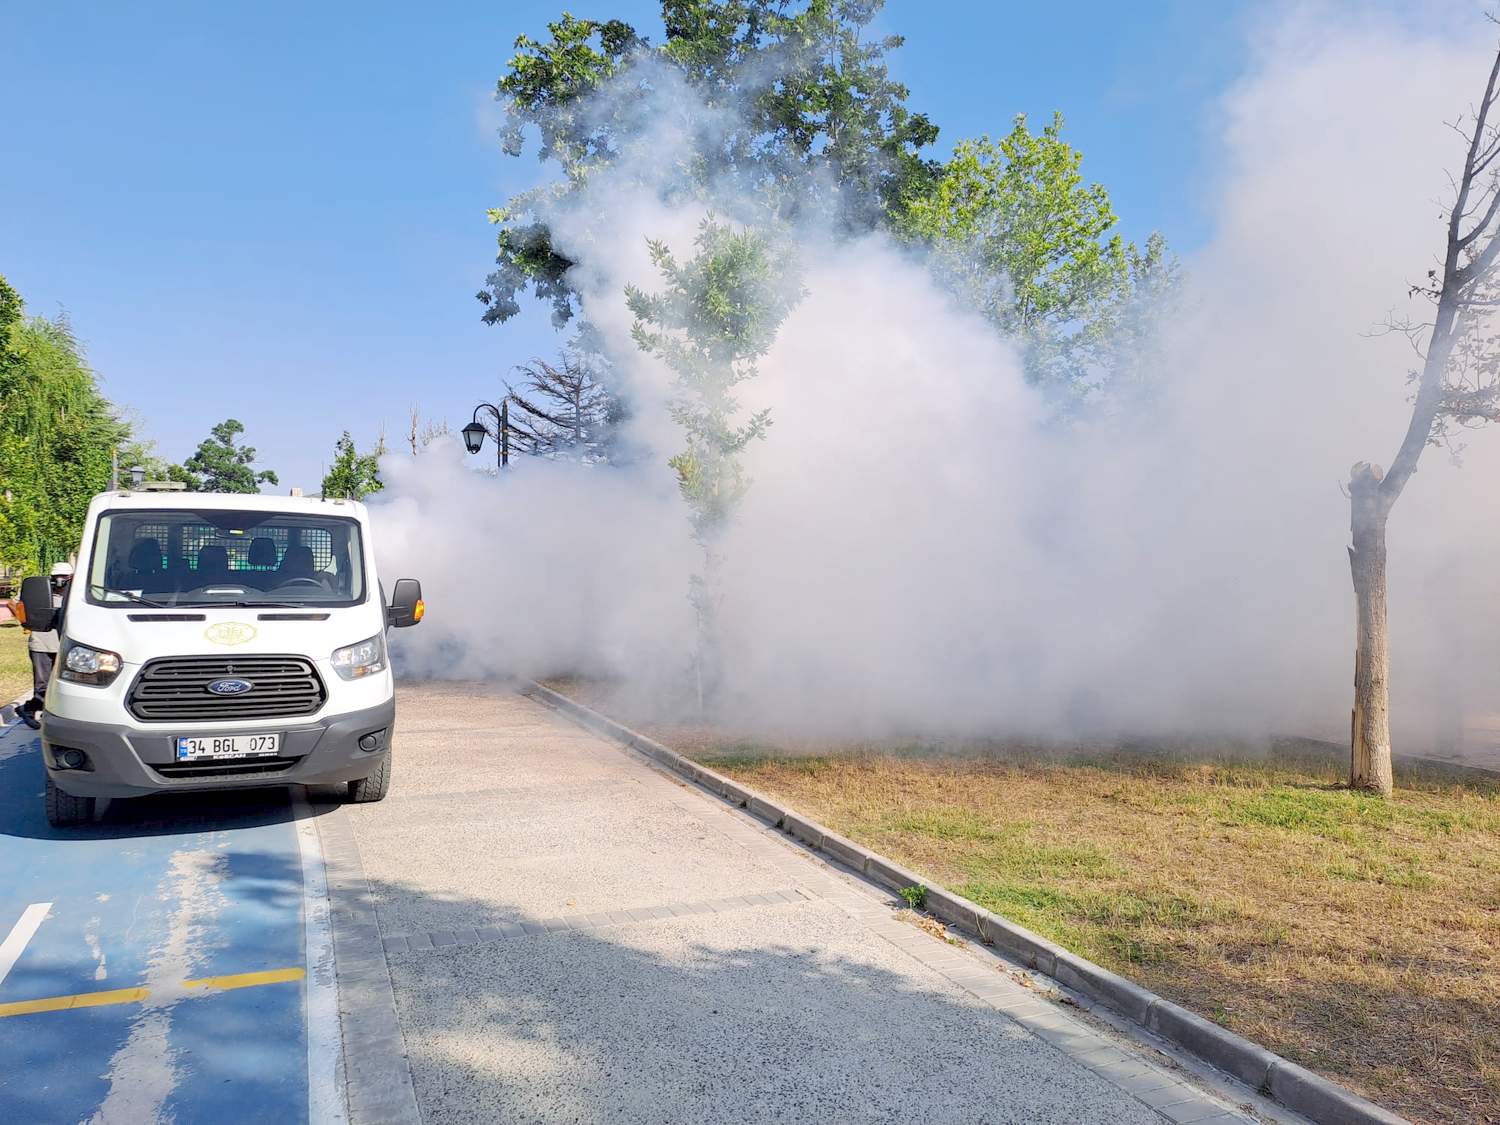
(473, 437)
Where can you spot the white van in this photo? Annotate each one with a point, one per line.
(219, 641)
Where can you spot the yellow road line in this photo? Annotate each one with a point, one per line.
(136, 995)
(247, 980)
(83, 1000)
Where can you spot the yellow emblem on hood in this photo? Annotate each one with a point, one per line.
(230, 633)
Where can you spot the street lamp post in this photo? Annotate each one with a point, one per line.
(474, 432)
(135, 475)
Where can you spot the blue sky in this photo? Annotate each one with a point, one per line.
(275, 211)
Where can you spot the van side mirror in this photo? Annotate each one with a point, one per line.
(36, 601)
(406, 606)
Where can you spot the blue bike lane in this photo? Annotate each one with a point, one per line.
(156, 959)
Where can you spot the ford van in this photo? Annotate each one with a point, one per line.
(219, 641)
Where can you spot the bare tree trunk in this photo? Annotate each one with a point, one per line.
(1370, 724)
(706, 595)
(1466, 285)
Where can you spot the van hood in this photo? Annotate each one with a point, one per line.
(139, 634)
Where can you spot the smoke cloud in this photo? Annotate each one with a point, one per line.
(924, 549)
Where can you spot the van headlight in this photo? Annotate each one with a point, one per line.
(84, 665)
(363, 659)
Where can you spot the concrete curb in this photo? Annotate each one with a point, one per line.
(377, 1071)
(1290, 1085)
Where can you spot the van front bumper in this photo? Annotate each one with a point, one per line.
(128, 761)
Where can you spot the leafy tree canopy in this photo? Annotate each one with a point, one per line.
(716, 315)
(806, 86)
(353, 475)
(222, 465)
(11, 310)
(57, 432)
(1020, 234)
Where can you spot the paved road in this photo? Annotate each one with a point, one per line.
(156, 960)
(575, 936)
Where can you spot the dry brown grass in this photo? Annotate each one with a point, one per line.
(1357, 936)
(15, 665)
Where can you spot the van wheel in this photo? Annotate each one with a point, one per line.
(65, 810)
(374, 787)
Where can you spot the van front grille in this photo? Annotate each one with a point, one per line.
(175, 689)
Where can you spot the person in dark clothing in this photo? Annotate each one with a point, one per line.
(42, 647)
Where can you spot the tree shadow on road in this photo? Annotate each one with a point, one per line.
(771, 1012)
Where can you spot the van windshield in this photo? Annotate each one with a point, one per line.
(208, 557)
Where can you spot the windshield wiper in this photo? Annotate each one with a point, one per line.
(127, 594)
(244, 605)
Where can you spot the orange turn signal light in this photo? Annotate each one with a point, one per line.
(416, 614)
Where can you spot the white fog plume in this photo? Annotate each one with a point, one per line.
(923, 550)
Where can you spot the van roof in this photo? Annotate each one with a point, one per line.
(231, 501)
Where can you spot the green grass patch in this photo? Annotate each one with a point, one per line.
(739, 756)
(951, 824)
(1312, 811)
(1389, 872)
(1340, 814)
(1024, 859)
(991, 848)
(1132, 925)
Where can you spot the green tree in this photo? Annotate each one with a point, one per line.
(1017, 231)
(715, 317)
(11, 312)
(221, 464)
(353, 475)
(807, 89)
(57, 432)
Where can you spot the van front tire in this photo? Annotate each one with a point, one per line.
(374, 787)
(65, 810)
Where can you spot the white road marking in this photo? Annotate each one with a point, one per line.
(96, 951)
(20, 936)
(325, 1043)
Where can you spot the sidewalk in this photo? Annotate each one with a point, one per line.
(574, 936)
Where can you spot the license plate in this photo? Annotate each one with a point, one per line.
(199, 748)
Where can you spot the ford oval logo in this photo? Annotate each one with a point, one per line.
(230, 687)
